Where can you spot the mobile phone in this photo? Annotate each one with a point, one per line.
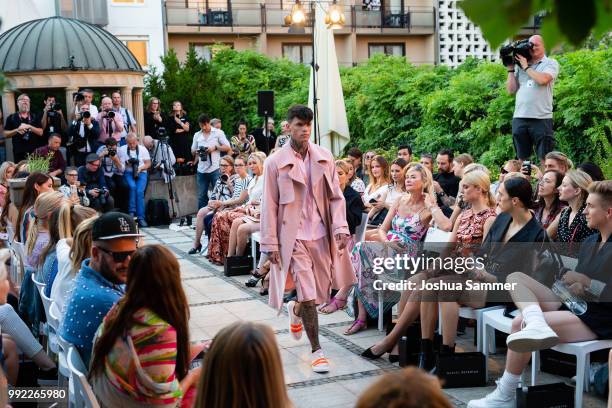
(372, 201)
(73, 190)
(526, 169)
(197, 360)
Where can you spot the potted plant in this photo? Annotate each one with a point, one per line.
(35, 164)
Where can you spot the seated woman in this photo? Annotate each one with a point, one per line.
(7, 169)
(471, 226)
(15, 334)
(379, 184)
(571, 226)
(406, 223)
(36, 183)
(222, 222)
(549, 205)
(141, 350)
(355, 182)
(354, 209)
(511, 166)
(247, 355)
(226, 186)
(544, 320)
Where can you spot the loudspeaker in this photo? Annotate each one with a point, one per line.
(265, 103)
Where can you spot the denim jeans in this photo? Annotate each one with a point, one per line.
(205, 181)
(137, 189)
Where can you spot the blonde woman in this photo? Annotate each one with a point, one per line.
(6, 173)
(38, 234)
(378, 174)
(355, 182)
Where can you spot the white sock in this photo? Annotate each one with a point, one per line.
(533, 314)
(507, 384)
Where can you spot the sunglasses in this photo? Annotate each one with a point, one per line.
(369, 157)
(71, 175)
(224, 165)
(118, 257)
(503, 171)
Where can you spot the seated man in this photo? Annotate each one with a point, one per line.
(113, 173)
(162, 159)
(72, 189)
(100, 282)
(136, 160)
(57, 163)
(91, 177)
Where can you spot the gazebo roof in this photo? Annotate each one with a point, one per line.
(58, 43)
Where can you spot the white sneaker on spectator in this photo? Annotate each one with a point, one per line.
(320, 364)
(532, 337)
(494, 400)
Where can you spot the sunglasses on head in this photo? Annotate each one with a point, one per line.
(503, 170)
(117, 256)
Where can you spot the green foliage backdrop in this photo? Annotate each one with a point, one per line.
(390, 101)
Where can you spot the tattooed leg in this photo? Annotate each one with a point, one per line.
(310, 319)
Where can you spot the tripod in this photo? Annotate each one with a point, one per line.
(167, 171)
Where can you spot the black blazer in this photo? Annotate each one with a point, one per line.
(354, 208)
(91, 135)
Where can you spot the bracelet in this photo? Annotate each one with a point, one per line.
(510, 70)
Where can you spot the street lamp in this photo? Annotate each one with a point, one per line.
(334, 19)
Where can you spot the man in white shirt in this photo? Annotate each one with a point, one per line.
(129, 123)
(206, 147)
(136, 161)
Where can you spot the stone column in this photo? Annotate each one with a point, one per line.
(69, 104)
(139, 113)
(8, 108)
(126, 97)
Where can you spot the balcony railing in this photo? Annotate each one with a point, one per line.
(231, 14)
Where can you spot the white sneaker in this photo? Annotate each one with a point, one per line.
(533, 337)
(295, 322)
(493, 400)
(320, 364)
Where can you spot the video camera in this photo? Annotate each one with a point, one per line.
(53, 109)
(162, 135)
(132, 161)
(508, 53)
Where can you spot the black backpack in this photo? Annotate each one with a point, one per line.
(157, 212)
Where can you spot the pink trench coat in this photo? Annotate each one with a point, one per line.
(283, 198)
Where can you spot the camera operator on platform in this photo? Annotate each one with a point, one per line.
(113, 169)
(532, 81)
(83, 133)
(162, 158)
(53, 120)
(137, 161)
(206, 147)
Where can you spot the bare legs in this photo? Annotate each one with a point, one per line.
(200, 225)
(528, 292)
(239, 236)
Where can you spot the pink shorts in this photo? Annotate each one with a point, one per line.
(311, 270)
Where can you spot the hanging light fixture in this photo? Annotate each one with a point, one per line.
(297, 16)
(335, 16)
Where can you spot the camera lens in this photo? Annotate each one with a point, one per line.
(110, 114)
(86, 114)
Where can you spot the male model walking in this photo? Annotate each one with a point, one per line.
(304, 229)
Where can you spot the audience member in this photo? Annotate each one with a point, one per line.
(557, 161)
(407, 388)
(592, 170)
(136, 161)
(460, 162)
(511, 166)
(395, 189)
(111, 124)
(378, 174)
(7, 169)
(147, 328)
(284, 136)
(216, 123)
(207, 145)
(129, 123)
(446, 183)
(548, 203)
(92, 177)
(355, 182)
(177, 129)
(53, 120)
(73, 190)
(247, 354)
(162, 160)
(265, 138)
(404, 152)
(355, 156)
(367, 159)
(24, 128)
(57, 163)
(153, 118)
(114, 169)
(99, 283)
(86, 97)
(243, 143)
(36, 183)
(84, 134)
(2, 139)
(427, 161)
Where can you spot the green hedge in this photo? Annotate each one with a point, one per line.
(389, 101)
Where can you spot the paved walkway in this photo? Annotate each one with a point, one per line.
(217, 301)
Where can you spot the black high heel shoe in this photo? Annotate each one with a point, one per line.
(195, 250)
(393, 358)
(252, 282)
(371, 356)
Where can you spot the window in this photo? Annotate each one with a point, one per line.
(139, 49)
(299, 53)
(396, 50)
(205, 50)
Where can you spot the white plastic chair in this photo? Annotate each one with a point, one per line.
(17, 262)
(255, 237)
(83, 394)
(361, 229)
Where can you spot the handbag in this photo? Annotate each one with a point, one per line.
(558, 395)
(237, 265)
(549, 266)
(462, 370)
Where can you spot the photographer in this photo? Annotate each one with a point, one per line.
(111, 124)
(532, 81)
(53, 120)
(85, 97)
(137, 161)
(113, 173)
(73, 189)
(91, 177)
(129, 122)
(162, 157)
(83, 134)
(24, 128)
(206, 147)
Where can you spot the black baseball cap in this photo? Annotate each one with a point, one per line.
(91, 157)
(113, 225)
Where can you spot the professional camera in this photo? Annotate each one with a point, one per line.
(103, 193)
(224, 178)
(132, 161)
(53, 109)
(112, 152)
(110, 114)
(509, 52)
(161, 134)
(203, 153)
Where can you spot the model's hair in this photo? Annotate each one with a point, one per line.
(161, 293)
(464, 159)
(301, 112)
(3, 169)
(603, 189)
(519, 187)
(560, 157)
(247, 355)
(589, 168)
(480, 179)
(581, 180)
(29, 197)
(150, 104)
(384, 178)
(81, 243)
(44, 206)
(407, 388)
(426, 177)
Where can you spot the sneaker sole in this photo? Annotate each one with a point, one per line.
(320, 370)
(527, 345)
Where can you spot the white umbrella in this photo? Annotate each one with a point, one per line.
(331, 112)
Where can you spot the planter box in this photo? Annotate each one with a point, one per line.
(16, 187)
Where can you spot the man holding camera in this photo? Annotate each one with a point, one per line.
(206, 147)
(162, 158)
(53, 120)
(24, 128)
(83, 134)
(111, 124)
(113, 172)
(137, 161)
(57, 164)
(532, 81)
(129, 123)
(91, 177)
